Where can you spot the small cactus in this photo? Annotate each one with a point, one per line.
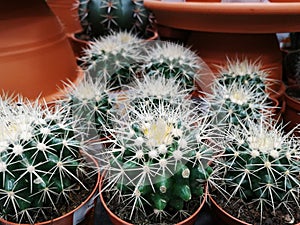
(158, 160)
(40, 161)
(101, 17)
(114, 58)
(91, 105)
(173, 60)
(260, 166)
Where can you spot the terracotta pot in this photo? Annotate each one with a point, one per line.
(118, 221)
(67, 12)
(35, 55)
(79, 214)
(291, 116)
(228, 30)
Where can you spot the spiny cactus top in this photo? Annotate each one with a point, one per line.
(101, 17)
(40, 162)
(157, 161)
(261, 165)
(245, 72)
(91, 105)
(114, 58)
(174, 60)
(235, 103)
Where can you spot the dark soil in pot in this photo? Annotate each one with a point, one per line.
(123, 212)
(294, 93)
(249, 213)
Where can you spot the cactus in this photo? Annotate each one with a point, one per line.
(40, 161)
(114, 58)
(174, 60)
(101, 17)
(261, 167)
(158, 160)
(235, 103)
(91, 105)
(245, 72)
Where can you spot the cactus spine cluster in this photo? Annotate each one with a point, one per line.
(261, 166)
(101, 17)
(174, 60)
(114, 59)
(40, 160)
(157, 160)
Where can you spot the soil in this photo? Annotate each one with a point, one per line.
(294, 93)
(123, 212)
(249, 213)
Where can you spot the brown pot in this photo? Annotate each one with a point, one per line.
(118, 221)
(291, 116)
(35, 55)
(228, 30)
(81, 213)
(67, 12)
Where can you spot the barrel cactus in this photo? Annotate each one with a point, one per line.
(91, 104)
(260, 167)
(40, 162)
(101, 17)
(173, 60)
(157, 162)
(114, 58)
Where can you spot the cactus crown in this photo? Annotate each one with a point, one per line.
(260, 166)
(40, 162)
(91, 105)
(101, 17)
(114, 58)
(157, 161)
(174, 60)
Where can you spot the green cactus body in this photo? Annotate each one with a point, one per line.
(172, 60)
(39, 161)
(101, 17)
(261, 165)
(156, 149)
(114, 59)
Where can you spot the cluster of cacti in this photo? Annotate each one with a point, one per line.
(101, 17)
(260, 166)
(40, 161)
(91, 105)
(173, 60)
(239, 94)
(114, 58)
(158, 159)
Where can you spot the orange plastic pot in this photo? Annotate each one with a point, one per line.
(291, 116)
(118, 221)
(79, 214)
(67, 12)
(35, 55)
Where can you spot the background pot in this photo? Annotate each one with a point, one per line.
(35, 55)
(78, 214)
(291, 116)
(118, 221)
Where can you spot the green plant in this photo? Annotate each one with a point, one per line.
(91, 105)
(40, 161)
(114, 58)
(101, 17)
(157, 162)
(173, 60)
(260, 167)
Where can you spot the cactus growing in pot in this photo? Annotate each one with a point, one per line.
(157, 162)
(41, 164)
(174, 60)
(114, 58)
(260, 169)
(101, 17)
